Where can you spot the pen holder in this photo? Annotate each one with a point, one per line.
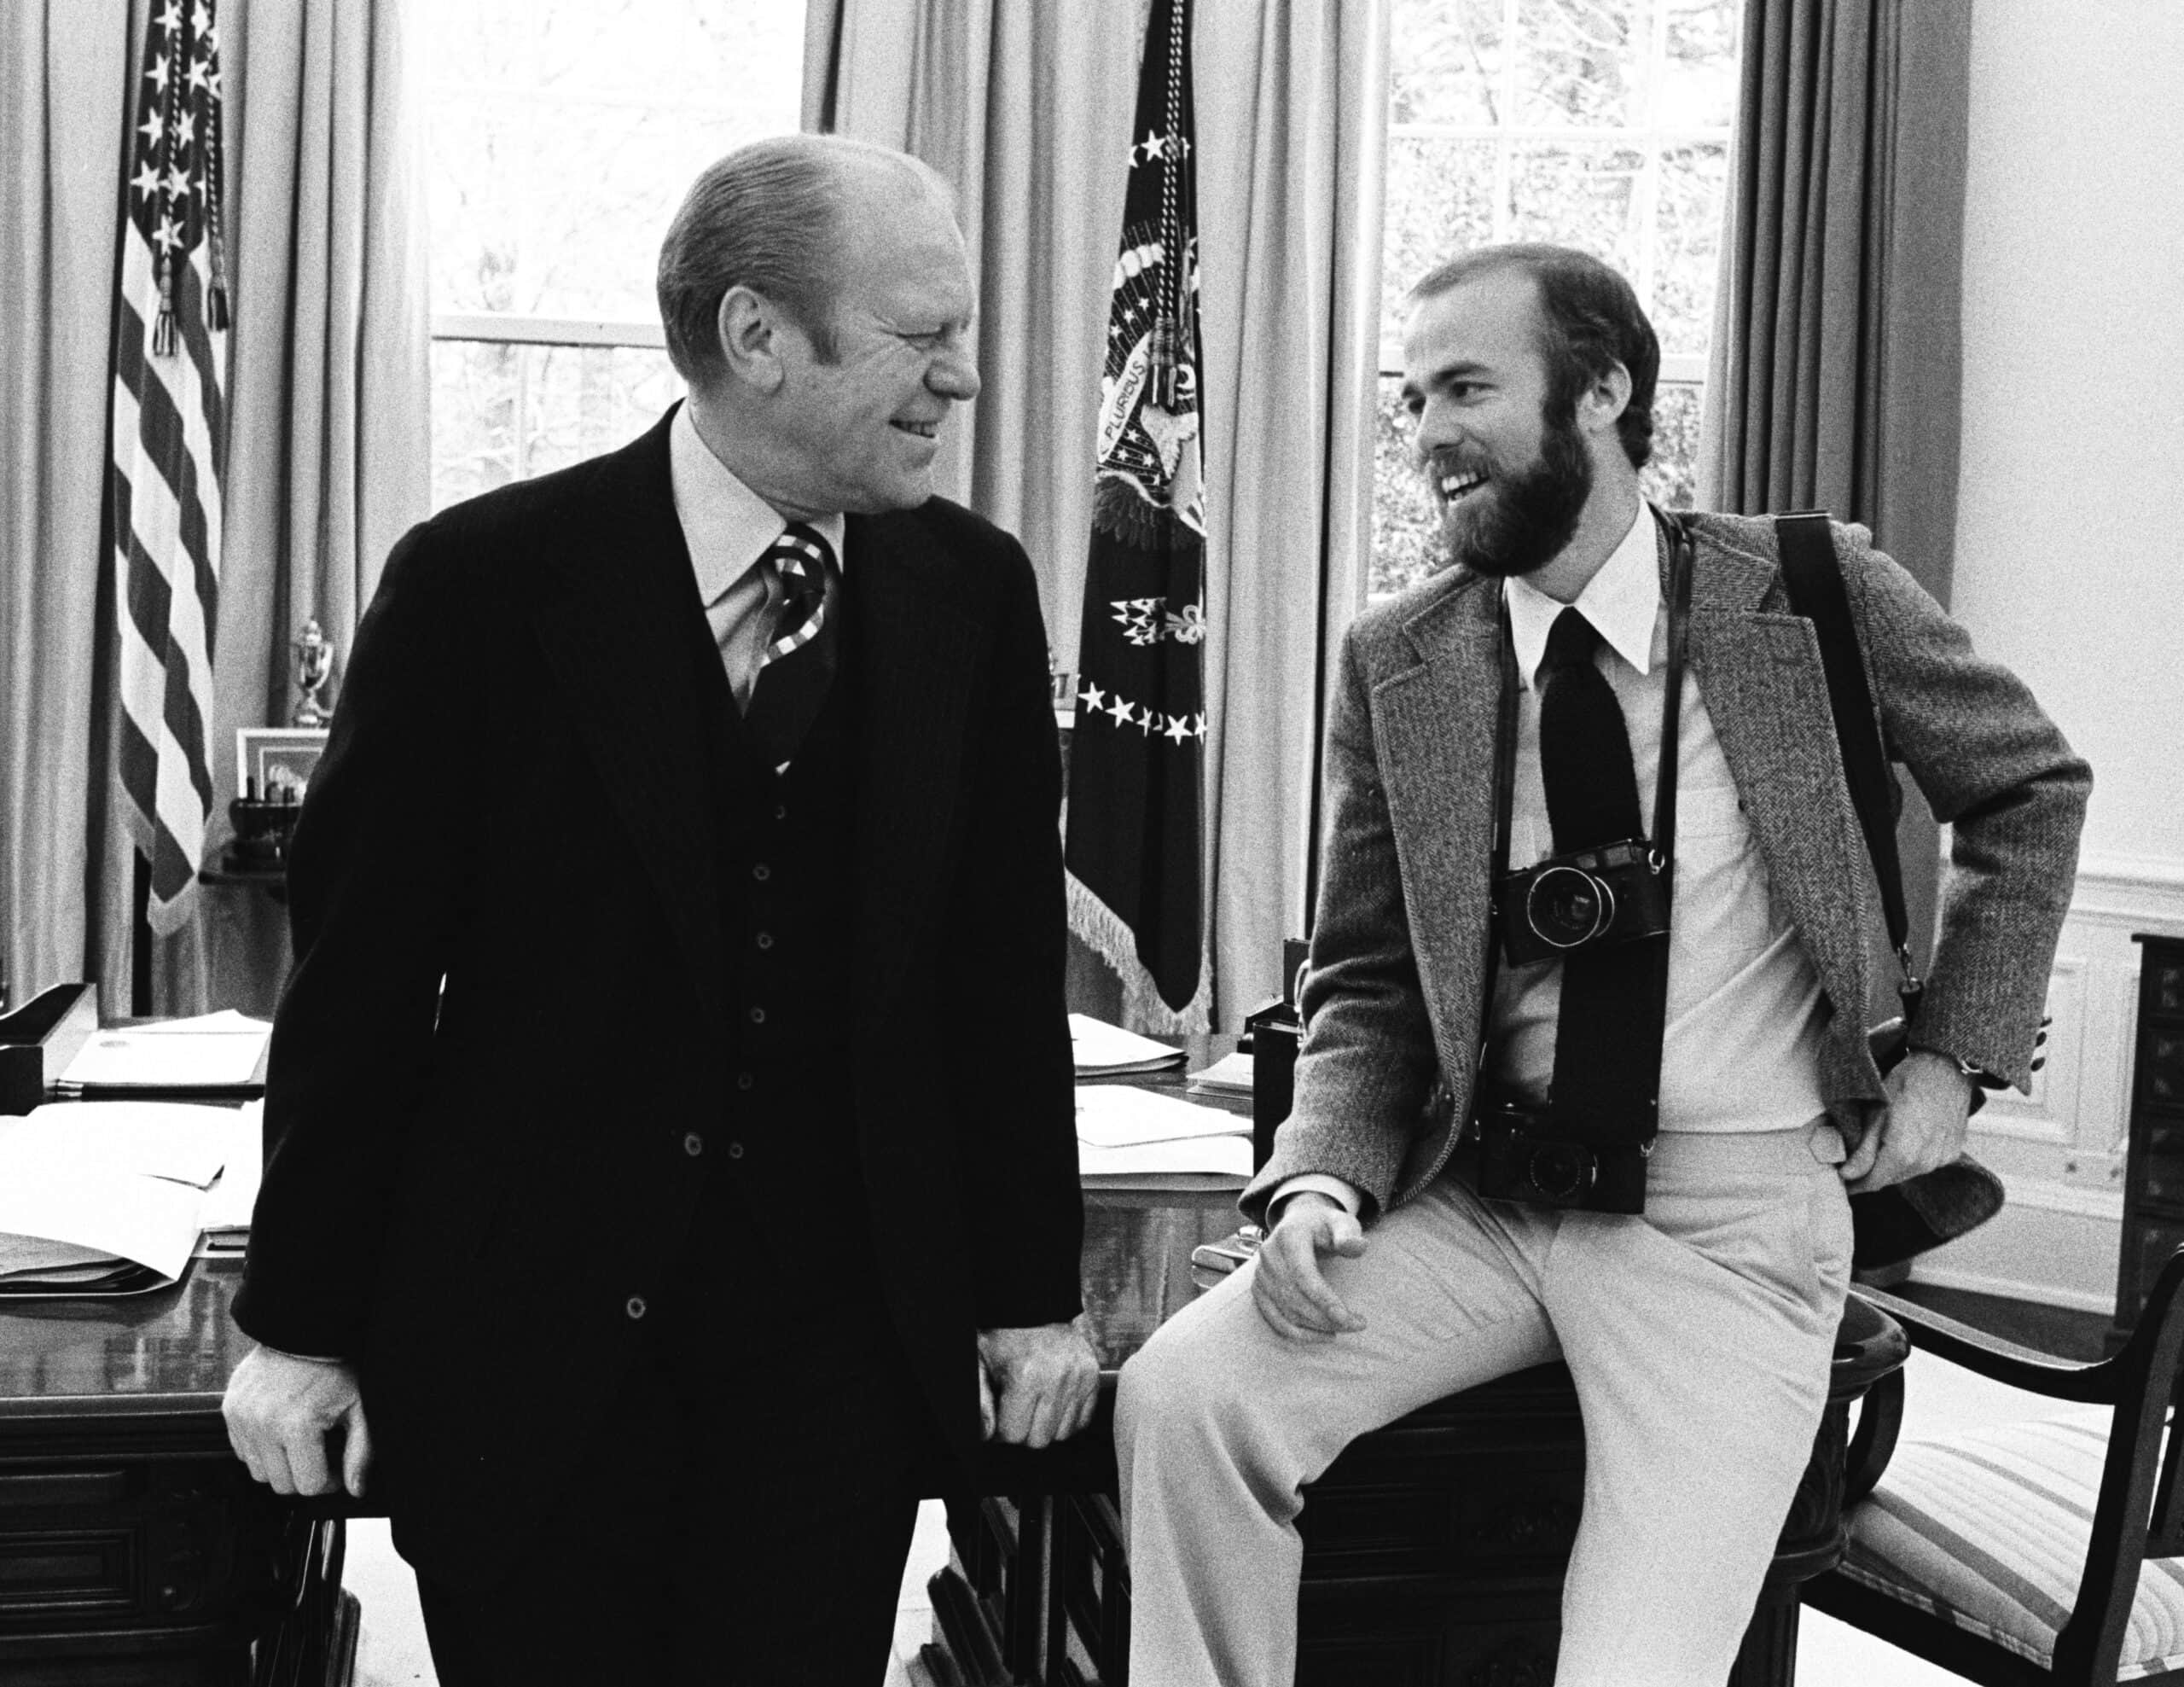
(262, 832)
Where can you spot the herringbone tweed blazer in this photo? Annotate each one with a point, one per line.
(1399, 944)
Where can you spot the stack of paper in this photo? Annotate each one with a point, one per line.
(1230, 1075)
(95, 1194)
(1126, 1133)
(213, 1051)
(1099, 1049)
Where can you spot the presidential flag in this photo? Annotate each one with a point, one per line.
(170, 431)
(1136, 749)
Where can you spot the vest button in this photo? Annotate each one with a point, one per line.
(757, 1015)
(762, 872)
(635, 1306)
(744, 1080)
(781, 811)
(735, 1150)
(693, 1144)
(765, 939)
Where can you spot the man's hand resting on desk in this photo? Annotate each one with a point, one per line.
(279, 1409)
(1036, 1386)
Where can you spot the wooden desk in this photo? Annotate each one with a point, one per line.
(135, 1551)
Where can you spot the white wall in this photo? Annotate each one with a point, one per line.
(2070, 559)
(2070, 562)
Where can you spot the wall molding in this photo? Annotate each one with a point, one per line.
(2137, 891)
(2015, 1289)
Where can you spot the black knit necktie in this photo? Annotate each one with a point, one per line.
(798, 663)
(1584, 747)
(1607, 1033)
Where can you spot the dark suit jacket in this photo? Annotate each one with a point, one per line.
(468, 1189)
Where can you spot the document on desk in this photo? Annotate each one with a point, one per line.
(1123, 1132)
(88, 1187)
(1097, 1047)
(228, 1203)
(213, 1051)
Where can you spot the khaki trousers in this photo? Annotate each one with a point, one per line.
(1699, 1335)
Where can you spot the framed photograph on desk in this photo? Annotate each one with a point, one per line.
(276, 762)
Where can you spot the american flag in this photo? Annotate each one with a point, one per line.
(170, 433)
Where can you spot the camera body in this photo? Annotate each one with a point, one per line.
(1610, 893)
(1522, 1157)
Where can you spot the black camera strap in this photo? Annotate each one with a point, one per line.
(1645, 960)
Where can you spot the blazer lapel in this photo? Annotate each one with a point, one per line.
(917, 659)
(615, 619)
(1759, 673)
(1436, 725)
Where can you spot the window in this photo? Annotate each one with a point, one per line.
(560, 137)
(1597, 124)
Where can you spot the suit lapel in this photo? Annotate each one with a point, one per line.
(615, 619)
(918, 659)
(1759, 673)
(1436, 725)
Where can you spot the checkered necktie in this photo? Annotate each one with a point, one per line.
(798, 663)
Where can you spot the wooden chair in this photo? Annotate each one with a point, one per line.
(2041, 1551)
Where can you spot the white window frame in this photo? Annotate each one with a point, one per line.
(507, 328)
(1649, 140)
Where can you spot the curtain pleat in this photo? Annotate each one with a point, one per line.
(1835, 377)
(65, 73)
(1027, 110)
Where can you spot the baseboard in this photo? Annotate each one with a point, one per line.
(2040, 1293)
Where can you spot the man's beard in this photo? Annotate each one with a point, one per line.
(1518, 523)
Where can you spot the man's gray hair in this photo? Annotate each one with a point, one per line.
(771, 216)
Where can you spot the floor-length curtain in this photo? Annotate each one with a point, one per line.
(329, 395)
(66, 73)
(1835, 381)
(1027, 110)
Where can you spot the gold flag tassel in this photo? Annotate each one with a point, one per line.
(216, 244)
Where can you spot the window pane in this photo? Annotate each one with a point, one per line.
(1406, 531)
(1450, 69)
(1694, 181)
(586, 400)
(1581, 61)
(473, 418)
(564, 132)
(1440, 201)
(1698, 84)
(1579, 195)
(502, 411)
(1671, 479)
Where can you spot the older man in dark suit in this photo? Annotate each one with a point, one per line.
(636, 1214)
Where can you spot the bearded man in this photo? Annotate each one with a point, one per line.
(1461, 1010)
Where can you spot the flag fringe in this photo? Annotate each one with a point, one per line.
(1106, 934)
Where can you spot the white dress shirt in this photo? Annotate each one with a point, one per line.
(727, 527)
(1741, 1049)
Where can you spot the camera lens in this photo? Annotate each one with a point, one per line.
(1568, 906)
(1560, 1171)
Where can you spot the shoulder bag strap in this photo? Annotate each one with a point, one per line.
(1813, 580)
